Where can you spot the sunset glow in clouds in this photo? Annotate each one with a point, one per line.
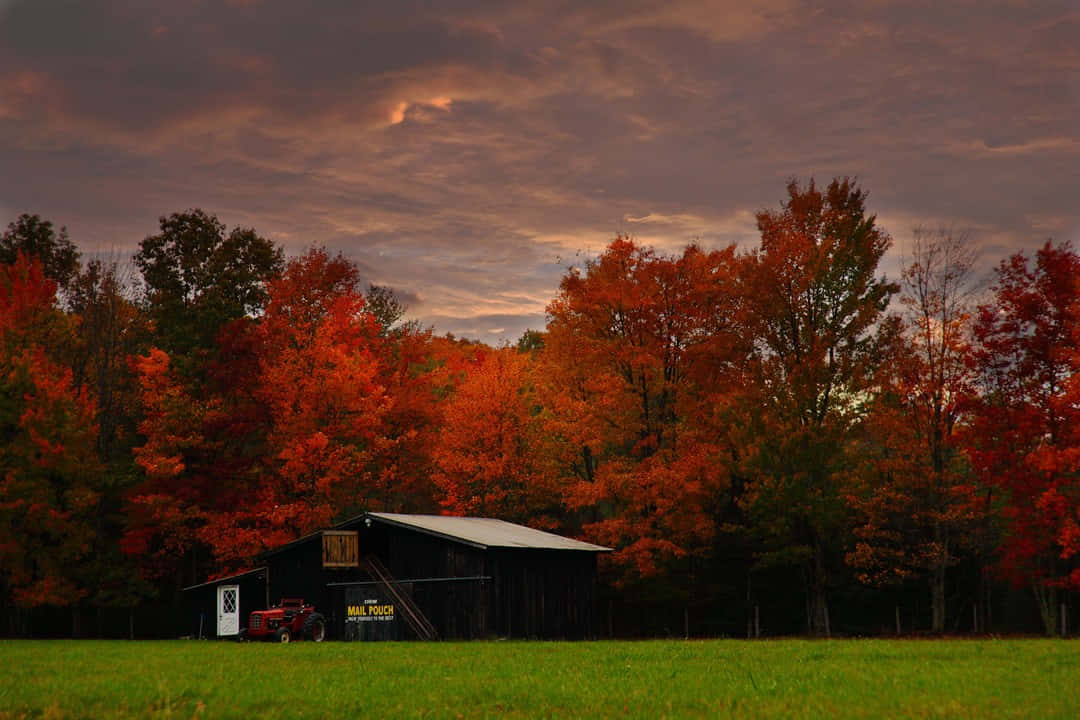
(465, 153)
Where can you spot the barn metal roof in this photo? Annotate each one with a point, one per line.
(486, 532)
(225, 578)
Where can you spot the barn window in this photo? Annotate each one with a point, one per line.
(340, 549)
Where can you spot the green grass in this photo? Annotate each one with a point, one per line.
(720, 678)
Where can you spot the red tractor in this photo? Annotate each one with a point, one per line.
(290, 620)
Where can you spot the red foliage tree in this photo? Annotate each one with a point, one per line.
(1023, 440)
(284, 442)
(48, 465)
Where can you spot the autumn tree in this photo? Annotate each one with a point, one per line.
(279, 440)
(199, 283)
(167, 508)
(419, 372)
(486, 462)
(48, 467)
(814, 300)
(911, 481)
(1023, 438)
(618, 394)
(320, 382)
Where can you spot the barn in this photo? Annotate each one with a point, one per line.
(390, 576)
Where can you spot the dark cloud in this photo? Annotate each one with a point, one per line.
(462, 150)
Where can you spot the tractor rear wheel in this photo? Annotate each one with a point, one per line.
(315, 627)
(283, 635)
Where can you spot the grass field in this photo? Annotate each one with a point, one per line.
(718, 678)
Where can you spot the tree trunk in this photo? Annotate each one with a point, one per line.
(937, 599)
(749, 607)
(816, 596)
(1047, 600)
(937, 581)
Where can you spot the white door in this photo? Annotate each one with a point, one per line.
(228, 610)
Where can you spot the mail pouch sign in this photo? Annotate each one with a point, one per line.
(369, 613)
(370, 610)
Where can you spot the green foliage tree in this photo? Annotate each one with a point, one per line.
(198, 278)
(37, 238)
(814, 299)
(531, 341)
(384, 305)
(109, 329)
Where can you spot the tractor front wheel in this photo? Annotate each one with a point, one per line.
(283, 635)
(315, 627)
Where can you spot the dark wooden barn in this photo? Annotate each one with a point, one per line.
(393, 576)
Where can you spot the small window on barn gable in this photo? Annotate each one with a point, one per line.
(340, 549)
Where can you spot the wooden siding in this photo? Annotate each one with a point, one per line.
(340, 549)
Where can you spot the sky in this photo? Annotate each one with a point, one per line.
(467, 153)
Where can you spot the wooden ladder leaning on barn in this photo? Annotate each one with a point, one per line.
(413, 616)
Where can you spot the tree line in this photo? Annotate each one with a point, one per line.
(781, 427)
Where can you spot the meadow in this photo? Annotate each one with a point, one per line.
(707, 678)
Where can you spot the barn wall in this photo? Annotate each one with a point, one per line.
(544, 593)
(459, 609)
(414, 554)
(202, 600)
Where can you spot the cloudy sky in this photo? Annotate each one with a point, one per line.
(467, 152)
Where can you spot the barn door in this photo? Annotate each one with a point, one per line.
(228, 610)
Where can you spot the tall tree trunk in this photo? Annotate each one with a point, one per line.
(749, 607)
(1047, 600)
(937, 582)
(937, 601)
(816, 595)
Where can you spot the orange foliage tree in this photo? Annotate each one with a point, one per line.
(486, 460)
(625, 342)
